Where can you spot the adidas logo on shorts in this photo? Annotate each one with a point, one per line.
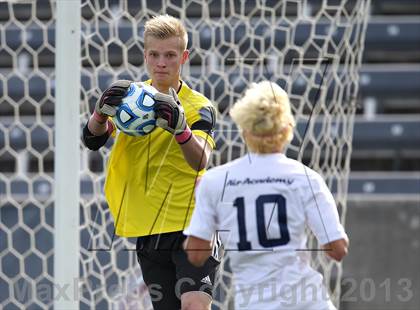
(206, 280)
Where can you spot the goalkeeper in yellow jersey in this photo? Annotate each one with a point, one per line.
(150, 179)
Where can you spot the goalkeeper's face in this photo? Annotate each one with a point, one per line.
(163, 58)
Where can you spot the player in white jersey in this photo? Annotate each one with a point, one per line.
(261, 204)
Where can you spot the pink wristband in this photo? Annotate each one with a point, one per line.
(110, 126)
(184, 137)
(99, 118)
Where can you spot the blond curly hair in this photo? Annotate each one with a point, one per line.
(164, 27)
(265, 118)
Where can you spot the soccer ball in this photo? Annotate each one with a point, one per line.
(135, 115)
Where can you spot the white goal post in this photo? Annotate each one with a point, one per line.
(55, 52)
(67, 153)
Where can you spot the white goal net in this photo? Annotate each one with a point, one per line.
(312, 49)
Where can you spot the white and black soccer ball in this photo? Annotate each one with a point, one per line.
(135, 116)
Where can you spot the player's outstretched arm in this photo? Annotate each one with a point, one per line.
(99, 127)
(198, 250)
(337, 249)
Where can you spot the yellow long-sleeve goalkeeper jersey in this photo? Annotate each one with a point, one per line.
(149, 185)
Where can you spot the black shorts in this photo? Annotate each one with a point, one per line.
(168, 273)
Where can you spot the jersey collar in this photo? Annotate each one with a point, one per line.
(267, 155)
(181, 90)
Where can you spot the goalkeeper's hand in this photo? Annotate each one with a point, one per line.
(171, 117)
(111, 98)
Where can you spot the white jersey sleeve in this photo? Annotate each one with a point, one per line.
(321, 211)
(203, 223)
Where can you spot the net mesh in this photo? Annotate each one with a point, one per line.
(311, 48)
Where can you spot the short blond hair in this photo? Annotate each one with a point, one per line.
(164, 27)
(264, 115)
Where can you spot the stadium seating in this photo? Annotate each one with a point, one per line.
(387, 40)
(385, 160)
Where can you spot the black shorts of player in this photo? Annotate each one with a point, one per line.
(168, 273)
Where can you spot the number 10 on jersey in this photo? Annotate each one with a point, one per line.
(260, 204)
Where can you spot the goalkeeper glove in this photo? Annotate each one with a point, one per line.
(111, 98)
(171, 117)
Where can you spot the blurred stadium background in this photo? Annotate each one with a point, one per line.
(382, 270)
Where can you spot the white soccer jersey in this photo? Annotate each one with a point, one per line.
(261, 204)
